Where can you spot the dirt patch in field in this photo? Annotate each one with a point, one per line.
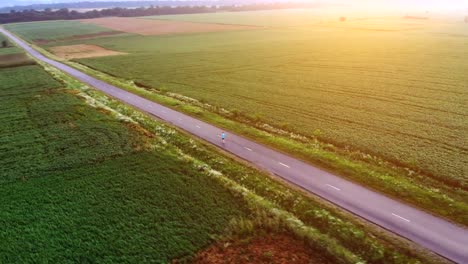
(83, 51)
(280, 248)
(150, 27)
(78, 37)
(15, 60)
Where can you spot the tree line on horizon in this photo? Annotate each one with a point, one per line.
(29, 15)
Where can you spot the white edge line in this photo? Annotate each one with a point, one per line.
(336, 188)
(282, 164)
(401, 217)
(249, 149)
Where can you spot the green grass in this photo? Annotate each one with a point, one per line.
(347, 88)
(11, 49)
(76, 177)
(308, 217)
(291, 208)
(79, 185)
(12, 56)
(115, 200)
(369, 170)
(2, 37)
(54, 30)
(394, 123)
(267, 18)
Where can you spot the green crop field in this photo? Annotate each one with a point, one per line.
(390, 89)
(54, 30)
(84, 184)
(79, 185)
(10, 49)
(12, 56)
(398, 95)
(2, 37)
(266, 18)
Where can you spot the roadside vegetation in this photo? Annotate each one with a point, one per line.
(48, 31)
(11, 56)
(372, 102)
(81, 170)
(275, 207)
(372, 124)
(84, 184)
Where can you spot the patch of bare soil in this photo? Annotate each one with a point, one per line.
(15, 60)
(83, 51)
(78, 37)
(272, 249)
(150, 27)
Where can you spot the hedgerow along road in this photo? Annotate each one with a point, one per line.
(436, 234)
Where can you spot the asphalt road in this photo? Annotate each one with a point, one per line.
(436, 234)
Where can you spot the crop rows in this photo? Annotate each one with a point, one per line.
(75, 177)
(54, 30)
(10, 49)
(356, 89)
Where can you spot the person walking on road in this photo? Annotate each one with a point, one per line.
(223, 136)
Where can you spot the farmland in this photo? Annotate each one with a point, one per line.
(6, 50)
(267, 18)
(102, 157)
(147, 27)
(112, 189)
(11, 56)
(44, 32)
(82, 51)
(76, 177)
(391, 89)
(402, 108)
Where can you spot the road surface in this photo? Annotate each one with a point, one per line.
(434, 233)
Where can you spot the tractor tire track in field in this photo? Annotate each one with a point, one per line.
(436, 234)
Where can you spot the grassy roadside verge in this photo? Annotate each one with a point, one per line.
(325, 227)
(83, 184)
(12, 56)
(400, 183)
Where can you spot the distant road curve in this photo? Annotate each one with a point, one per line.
(434, 233)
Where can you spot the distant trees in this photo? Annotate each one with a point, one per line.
(65, 14)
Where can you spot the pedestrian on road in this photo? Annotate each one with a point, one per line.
(223, 136)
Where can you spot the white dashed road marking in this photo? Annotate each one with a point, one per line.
(401, 217)
(248, 149)
(336, 188)
(282, 164)
(198, 126)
